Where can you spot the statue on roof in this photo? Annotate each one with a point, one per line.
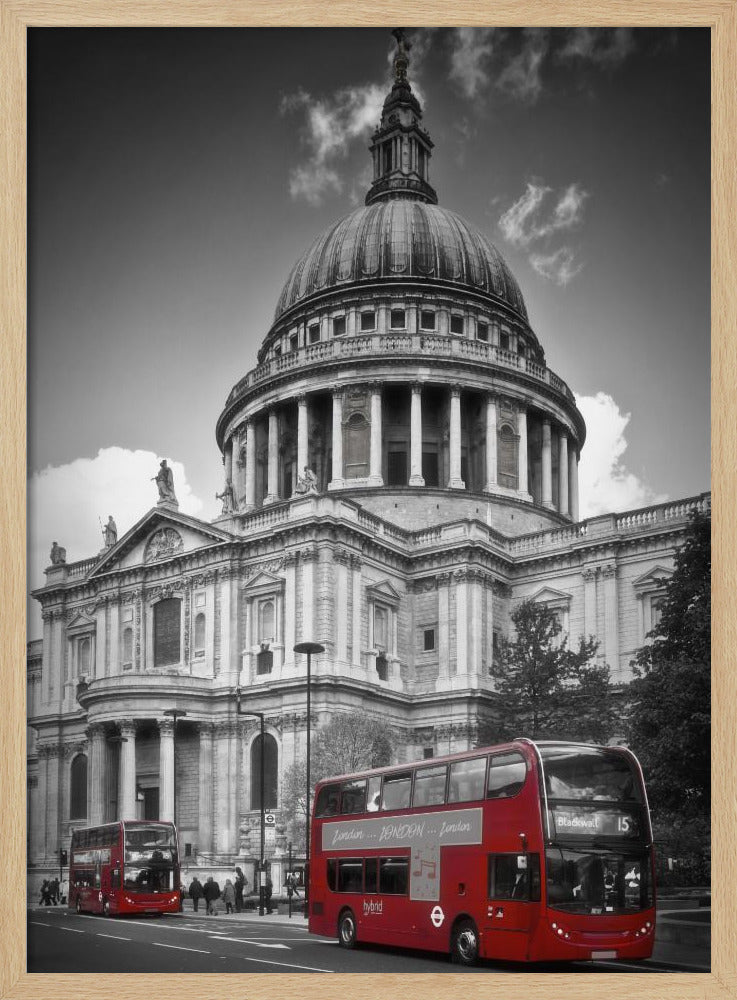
(307, 482)
(164, 479)
(228, 497)
(110, 532)
(58, 554)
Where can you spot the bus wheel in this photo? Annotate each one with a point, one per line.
(464, 947)
(347, 929)
(106, 908)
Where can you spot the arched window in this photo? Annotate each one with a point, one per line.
(266, 621)
(85, 647)
(127, 648)
(271, 770)
(78, 788)
(507, 458)
(356, 446)
(167, 632)
(199, 635)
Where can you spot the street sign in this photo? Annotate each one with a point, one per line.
(269, 819)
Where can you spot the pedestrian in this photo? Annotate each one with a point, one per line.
(195, 893)
(54, 890)
(212, 895)
(45, 899)
(268, 889)
(63, 891)
(240, 885)
(229, 896)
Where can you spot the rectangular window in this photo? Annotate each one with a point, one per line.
(427, 753)
(482, 331)
(430, 786)
(332, 873)
(427, 319)
(350, 875)
(374, 794)
(167, 625)
(520, 348)
(507, 773)
(467, 780)
(428, 640)
(514, 876)
(371, 882)
(396, 468)
(293, 342)
(381, 627)
(353, 797)
(393, 876)
(397, 319)
(339, 326)
(368, 322)
(313, 333)
(456, 324)
(504, 341)
(430, 468)
(396, 791)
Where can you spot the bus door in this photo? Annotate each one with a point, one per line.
(513, 905)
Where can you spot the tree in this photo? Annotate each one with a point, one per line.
(546, 690)
(350, 742)
(670, 709)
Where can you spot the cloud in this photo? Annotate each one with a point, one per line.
(330, 125)
(605, 484)
(67, 502)
(470, 59)
(602, 46)
(559, 267)
(532, 221)
(521, 77)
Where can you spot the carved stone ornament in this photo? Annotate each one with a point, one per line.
(163, 544)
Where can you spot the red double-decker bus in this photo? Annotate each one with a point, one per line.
(131, 866)
(527, 851)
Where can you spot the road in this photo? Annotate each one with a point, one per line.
(59, 940)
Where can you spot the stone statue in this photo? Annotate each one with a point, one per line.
(110, 532)
(164, 479)
(306, 483)
(58, 555)
(227, 497)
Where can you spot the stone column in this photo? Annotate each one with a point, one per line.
(290, 605)
(455, 482)
(115, 637)
(96, 774)
(55, 800)
(127, 774)
(415, 465)
(336, 482)
(443, 585)
(522, 483)
(375, 476)
(166, 769)
(356, 565)
(547, 464)
(228, 460)
(476, 622)
(340, 577)
(302, 424)
(491, 457)
(250, 465)
(309, 558)
(589, 601)
(611, 619)
(573, 480)
(461, 582)
(48, 665)
(205, 832)
(563, 500)
(272, 478)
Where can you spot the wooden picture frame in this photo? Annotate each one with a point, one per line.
(15, 17)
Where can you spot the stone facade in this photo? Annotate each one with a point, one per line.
(401, 467)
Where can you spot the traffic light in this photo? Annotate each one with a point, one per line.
(62, 856)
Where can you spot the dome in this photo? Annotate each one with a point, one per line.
(401, 239)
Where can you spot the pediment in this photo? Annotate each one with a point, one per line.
(654, 579)
(81, 623)
(383, 590)
(159, 536)
(549, 595)
(265, 582)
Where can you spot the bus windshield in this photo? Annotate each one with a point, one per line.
(150, 857)
(597, 882)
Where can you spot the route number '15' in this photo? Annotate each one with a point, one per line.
(623, 824)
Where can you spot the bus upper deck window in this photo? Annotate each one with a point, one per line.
(396, 791)
(507, 774)
(353, 797)
(467, 780)
(327, 800)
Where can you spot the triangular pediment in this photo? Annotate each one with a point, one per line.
(383, 589)
(549, 595)
(81, 623)
(161, 534)
(263, 580)
(655, 578)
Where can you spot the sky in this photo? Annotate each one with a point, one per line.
(176, 175)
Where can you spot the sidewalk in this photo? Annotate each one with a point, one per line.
(246, 916)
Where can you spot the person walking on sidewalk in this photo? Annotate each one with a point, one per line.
(195, 893)
(240, 885)
(212, 895)
(229, 896)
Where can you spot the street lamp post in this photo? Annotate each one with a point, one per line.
(309, 648)
(262, 860)
(175, 713)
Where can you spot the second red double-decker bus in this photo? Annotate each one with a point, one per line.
(131, 866)
(527, 851)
